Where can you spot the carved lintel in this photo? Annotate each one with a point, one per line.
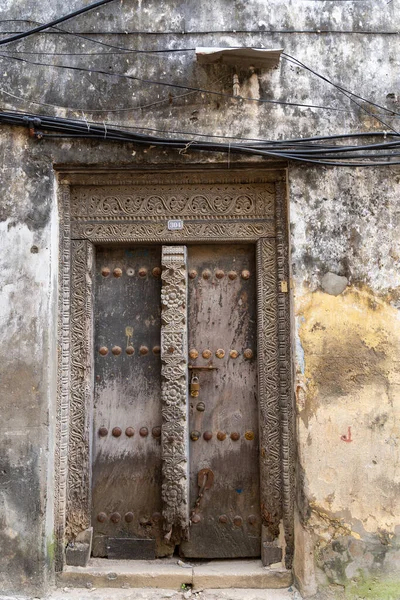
(157, 231)
(157, 201)
(79, 451)
(174, 389)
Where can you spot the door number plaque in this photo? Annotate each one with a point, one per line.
(175, 224)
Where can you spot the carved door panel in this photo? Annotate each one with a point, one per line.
(223, 421)
(164, 455)
(126, 481)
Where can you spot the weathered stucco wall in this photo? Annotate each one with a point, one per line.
(344, 222)
(347, 387)
(28, 314)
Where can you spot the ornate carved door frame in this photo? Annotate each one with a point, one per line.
(216, 206)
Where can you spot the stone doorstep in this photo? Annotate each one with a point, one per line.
(167, 573)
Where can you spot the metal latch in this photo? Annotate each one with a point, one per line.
(205, 480)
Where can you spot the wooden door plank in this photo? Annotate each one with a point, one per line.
(224, 417)
(127, 405)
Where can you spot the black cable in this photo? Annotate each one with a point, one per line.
(124, 51)
(349, 96)
(172, 85)
(297, 62)
(105, 44)
(169, 98)
(293, 150)
(24, 34)
(233, 31)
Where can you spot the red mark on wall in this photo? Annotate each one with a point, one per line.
(347, 438)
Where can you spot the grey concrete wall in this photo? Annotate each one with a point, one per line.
(343, 221)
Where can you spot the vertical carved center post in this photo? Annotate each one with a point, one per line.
(174, 440)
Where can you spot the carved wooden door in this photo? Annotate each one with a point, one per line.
(126, 477)
(223, 422)
(175, 439)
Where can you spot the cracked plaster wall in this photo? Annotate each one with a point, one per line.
(344, 222)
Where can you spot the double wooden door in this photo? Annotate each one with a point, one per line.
(218, 488)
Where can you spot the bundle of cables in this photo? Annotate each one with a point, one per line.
(365, 149)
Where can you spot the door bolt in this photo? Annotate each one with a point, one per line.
(238, 521)
(219, 274)
(206, 353)
(196, 518)
(143, 431)
(233, 353)
(195, 435)
(129, 432)
(157, 517)
(248, 353)
(103, 431)
(117, 272)
(245, 274)
(102, 517)
(115, 517)
(130, 350)
(116, 350)
(156, 432)
(207, 435)
(235, 436)
(220, 353)
(252, 519)
(221, 436)
(116, 431)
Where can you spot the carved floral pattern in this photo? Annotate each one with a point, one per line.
(79, 489)
(173, 296)
(188, 200)
(175, 491)
(158, 232)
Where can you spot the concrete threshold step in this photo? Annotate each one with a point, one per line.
(173, 574)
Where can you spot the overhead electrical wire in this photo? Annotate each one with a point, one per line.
(285, 55)
(346, 93)
(172, 85)
(296, 61)
(139, 106)
(39, 28)
(186, 32)
(307, 150)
